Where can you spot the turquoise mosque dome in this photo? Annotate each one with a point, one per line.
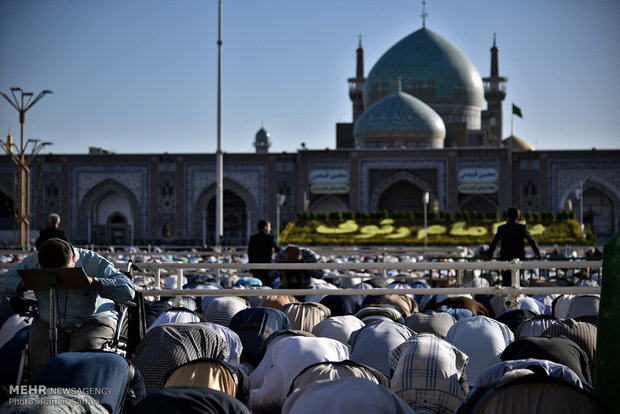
(433, 70)
(399, 121)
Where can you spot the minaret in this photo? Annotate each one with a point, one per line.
(262, 142)
(356, 84)
(494, 93)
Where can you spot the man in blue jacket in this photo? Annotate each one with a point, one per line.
(86, 318)
(513, 236)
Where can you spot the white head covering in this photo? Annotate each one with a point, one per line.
(174, 316)
(222, 309)
(483, 340)
(290, 356)
(171, 282)
(339, 328)
(345, 396)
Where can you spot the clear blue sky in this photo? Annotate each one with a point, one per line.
(135, 76)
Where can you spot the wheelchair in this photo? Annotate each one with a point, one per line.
(130, 328)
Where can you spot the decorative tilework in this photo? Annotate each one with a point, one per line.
(440, 165)
(199, 177)
(566, 175)
(52, 188)
(479, 163)
(134, 177)
(317, 164)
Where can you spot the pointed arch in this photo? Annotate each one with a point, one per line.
(603, 214)
(90, 201)
(413, 198)
(200, 211)
(478, 202)
(329, 203)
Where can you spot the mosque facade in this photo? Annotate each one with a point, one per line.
(419, 126)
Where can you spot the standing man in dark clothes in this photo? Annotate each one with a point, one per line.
(260, 248)
(512, 235)
(52, 231)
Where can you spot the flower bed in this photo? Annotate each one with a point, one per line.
(402, 232)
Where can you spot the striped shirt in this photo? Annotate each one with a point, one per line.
(429, 373)
(582, 333)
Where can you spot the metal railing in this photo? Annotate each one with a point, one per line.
(449, 272)
(513, 291)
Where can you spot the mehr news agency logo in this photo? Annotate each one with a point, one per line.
(38, 394)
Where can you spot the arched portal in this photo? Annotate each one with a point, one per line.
(103, 206)
(240, 211)
(117, 230)
(110, 222)
(601, 206)
(402, 195)
(478, 202)
(598, 212)
(329, 203)
(235, 219)
(402, 191)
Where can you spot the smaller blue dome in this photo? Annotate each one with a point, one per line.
(400, 120)
(262, 135)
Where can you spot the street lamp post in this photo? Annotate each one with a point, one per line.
(22, 156)
(425, 200)
(219, 155)
(579, 195)
(280, 200)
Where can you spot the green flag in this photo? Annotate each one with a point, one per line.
(516, 111)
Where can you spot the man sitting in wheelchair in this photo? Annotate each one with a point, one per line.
(86, 318)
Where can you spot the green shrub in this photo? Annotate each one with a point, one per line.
(590, 236)
(362, 216)
(527, 216)
(492, 215)
(335, 216)
(547, 216)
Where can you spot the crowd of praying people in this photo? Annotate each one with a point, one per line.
(361, 353)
